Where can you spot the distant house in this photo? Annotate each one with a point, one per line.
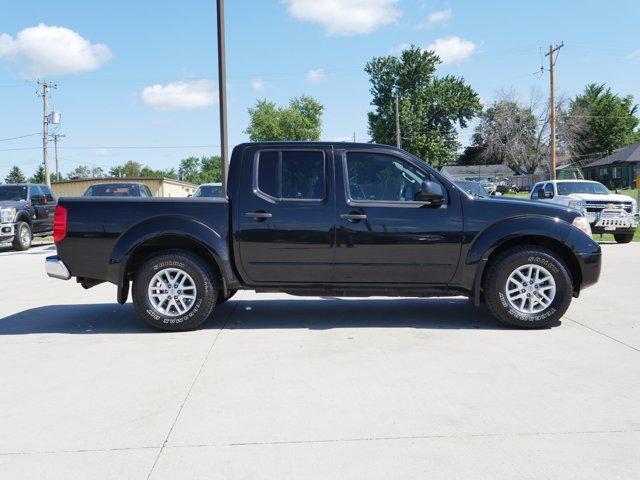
(461, 172)
(618, 170)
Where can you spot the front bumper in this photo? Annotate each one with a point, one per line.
(612, 221)
(588, 255)
(56, 268)
(7, 232)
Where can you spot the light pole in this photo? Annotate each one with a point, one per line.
(222, 94)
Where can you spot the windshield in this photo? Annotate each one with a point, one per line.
(474, 188)
(209, 191)
(567, 188)
(112, 190)
(13, 192)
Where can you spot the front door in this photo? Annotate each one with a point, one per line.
(285, 214)
(384, 233)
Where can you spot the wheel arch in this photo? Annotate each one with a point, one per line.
(548, 232)
(167, 232)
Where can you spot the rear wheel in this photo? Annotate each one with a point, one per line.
(623, 237)
(174, 291)
(528, 287)
(23, 237)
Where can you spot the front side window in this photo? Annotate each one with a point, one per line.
(292, 174)
(379, 177)
(548, 190)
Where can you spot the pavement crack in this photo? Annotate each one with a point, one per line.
(603, 334)
(195, 379)
(405, 437)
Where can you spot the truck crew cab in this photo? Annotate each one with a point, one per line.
(342, 219)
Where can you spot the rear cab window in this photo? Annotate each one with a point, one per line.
(289, 175)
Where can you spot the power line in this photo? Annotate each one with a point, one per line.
(21, 136)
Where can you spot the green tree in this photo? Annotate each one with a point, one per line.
(210, 169)
(189, 170)
(430, 107)
(80, 172)
(147, 171)
(611, 120)
(15, 176)
(38, 176)
(301, 120)
(129, 169)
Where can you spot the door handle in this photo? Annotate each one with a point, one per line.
(353, 217)
(261, 215)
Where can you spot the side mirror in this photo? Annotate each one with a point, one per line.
(431, 192)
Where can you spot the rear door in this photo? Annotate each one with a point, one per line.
(284, 215)
(384, 235)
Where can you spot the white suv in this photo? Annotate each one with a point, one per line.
(607, 212)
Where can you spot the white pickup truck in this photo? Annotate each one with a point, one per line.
(607, 212)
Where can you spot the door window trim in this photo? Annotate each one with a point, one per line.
(385, 203)
(270, 198)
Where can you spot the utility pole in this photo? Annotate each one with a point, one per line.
(222, 93)
(398, 138)
(56, 138)
(45, 127)
(553, 56)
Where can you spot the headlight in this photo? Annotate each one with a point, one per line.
(581, 223)
(577, 204)
(7, 215)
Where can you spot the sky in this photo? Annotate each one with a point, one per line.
(138, 80)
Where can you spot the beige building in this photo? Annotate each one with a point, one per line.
(160, 187)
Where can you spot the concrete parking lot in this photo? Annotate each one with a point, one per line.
(278, 387)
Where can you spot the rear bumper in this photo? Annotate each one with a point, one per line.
(56, 268)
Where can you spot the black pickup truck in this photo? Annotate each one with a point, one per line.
(26, 210)
(335, 219)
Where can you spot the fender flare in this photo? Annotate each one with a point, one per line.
(166, 225)
(505, 230)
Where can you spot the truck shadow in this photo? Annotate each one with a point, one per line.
(312, 314)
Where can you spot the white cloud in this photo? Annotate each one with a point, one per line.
(180, 95)
(634, 55)
(452, 49)
(102, 152)
(345, 17)
(257, 85)
(439, 16)
(48, 50)
(316, 75)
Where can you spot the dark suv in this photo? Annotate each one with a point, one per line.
(26, 210)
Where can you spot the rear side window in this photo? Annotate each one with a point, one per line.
(47, 193)
(548, 189)
(292, 174)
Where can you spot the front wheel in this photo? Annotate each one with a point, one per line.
(529, 287)
(623, 237)
(174, 291)
(23, 237)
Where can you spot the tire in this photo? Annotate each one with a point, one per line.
(184, 313)
(222, 299)
(23, 237)
(537, 311)
(623, 237)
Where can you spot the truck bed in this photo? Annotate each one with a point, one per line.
(103, 231)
